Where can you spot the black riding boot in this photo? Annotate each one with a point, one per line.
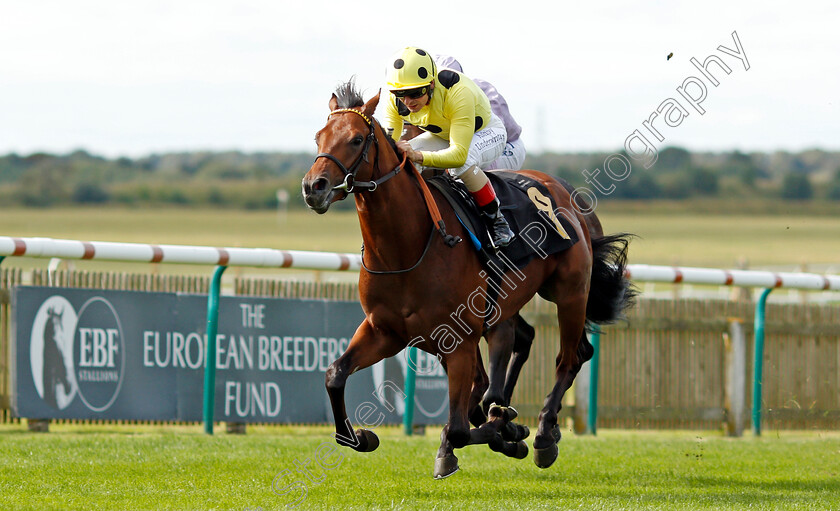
(499, 229)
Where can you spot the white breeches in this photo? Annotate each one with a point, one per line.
(487, 146)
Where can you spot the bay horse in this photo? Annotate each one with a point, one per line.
(415, 285)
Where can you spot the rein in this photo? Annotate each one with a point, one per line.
(406, 270)
(350, 185)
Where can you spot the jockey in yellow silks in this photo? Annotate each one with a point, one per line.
(461, 132)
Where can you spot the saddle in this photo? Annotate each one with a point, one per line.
(541, 229)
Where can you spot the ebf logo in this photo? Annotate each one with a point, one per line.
(77, 353)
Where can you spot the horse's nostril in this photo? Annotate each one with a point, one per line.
(320, 184)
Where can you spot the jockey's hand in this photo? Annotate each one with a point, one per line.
(415, 156)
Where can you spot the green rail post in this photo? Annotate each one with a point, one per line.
(210, 355)
(758, 360)
(410, 381)
(592, 412)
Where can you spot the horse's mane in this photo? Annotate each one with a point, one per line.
(348, 96)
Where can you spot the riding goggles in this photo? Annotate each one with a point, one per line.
(411, 93)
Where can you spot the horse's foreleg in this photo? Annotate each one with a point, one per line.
(366, 348)
(460, 368)
(446, 463)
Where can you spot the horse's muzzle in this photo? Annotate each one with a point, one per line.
(317, 193)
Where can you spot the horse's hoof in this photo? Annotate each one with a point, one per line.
(507, 413)
(368, 441)
(495, 411)
(515, 432)
(518, 450)
(510, 413)
(446, 466)
(544, 458)
(541, 442)
(521, 450)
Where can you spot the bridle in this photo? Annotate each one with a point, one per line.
(350, 185)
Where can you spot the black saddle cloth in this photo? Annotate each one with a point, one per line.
(540, 230)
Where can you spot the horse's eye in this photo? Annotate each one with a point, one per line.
(358, 140)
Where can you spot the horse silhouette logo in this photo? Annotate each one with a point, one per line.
(55, 371)
(51, 355)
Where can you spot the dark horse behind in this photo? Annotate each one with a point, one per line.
(415, 286)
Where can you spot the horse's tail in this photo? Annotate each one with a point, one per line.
(610, 293)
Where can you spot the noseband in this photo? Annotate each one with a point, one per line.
(350, 185)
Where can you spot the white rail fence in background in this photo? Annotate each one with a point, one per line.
(734, 278)
(177, 254)
(328, 261)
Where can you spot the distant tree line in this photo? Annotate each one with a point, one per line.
(679, 174)
(252, 180)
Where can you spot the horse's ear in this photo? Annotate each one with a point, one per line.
(370, 106)
(333, 103)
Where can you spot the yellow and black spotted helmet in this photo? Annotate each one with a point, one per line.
(410, 68)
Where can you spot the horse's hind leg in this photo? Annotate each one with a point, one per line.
(512, 343)
(574, 350)
(509, 346)
(366, 348)
(523, 339)
(480, 384)
(500, 342)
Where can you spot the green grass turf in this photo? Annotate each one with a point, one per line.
(178, 467)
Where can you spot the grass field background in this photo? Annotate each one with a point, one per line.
(178, 467)
(665, 235)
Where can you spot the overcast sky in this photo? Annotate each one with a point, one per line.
(132, 77)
